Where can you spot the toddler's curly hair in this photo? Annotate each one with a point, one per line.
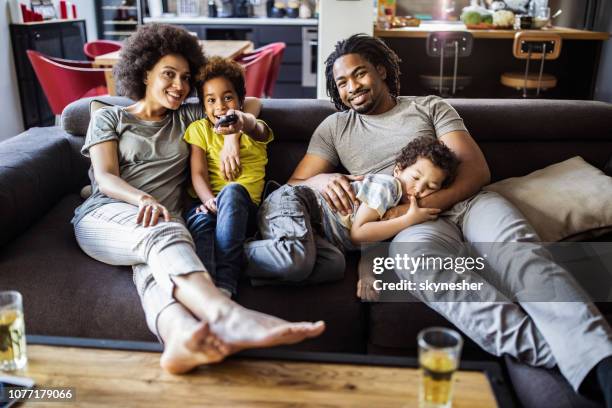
(433, 150)
(224, 68)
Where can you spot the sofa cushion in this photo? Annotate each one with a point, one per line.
(36, 170)
(75, 117)
(335, 303)
(66, 293)
(539, 387)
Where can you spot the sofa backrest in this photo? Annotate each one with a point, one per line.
(516, 136)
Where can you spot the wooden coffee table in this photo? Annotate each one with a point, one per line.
(107, 377)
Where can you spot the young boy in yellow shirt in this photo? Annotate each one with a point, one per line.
(227, 212)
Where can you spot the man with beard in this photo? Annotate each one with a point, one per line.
(373, 124)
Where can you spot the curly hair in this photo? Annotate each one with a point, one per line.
(224, 68)
(433, 150)
(375, 51)
(143, 49)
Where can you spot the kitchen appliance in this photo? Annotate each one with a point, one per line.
(227, 8)
(310, 45)
(118, 19)
(236, 8)
(188, 8)
(243, 8)
(212, 8)
(279, 10)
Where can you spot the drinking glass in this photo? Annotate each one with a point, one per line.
(439, 354)
(12, 332)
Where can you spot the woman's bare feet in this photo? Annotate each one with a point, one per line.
(242, 328)
(235, 325)
(189, 343)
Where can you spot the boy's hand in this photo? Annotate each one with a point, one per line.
(230, 157)
(417, 215)
(210, 206)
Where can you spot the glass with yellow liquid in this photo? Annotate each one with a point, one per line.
(439, 355)
(12, 332)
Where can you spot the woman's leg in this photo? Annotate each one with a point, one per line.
(188, 342)
(110, 234)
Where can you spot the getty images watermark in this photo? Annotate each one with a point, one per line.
(517, 271)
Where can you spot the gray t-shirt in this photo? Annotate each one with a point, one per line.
(153, 157)
(369, 143)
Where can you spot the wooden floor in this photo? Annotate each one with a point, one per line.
(107, 378)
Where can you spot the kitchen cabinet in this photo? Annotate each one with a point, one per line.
(57, 38)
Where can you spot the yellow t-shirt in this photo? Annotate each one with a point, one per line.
(253, 157)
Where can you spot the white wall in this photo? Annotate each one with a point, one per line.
(10, 108)
(339, 19)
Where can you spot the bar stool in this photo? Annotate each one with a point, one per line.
(533, 45)
(448, 44)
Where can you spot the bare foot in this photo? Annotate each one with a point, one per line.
(242, 328)
(190, 347)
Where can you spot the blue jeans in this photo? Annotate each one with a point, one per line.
(219, 238)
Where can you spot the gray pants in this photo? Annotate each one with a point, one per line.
(573, 335)
(110, 234)
(291, 251)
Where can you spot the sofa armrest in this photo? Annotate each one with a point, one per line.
(37, 168)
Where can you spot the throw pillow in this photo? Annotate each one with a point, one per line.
(561, 200)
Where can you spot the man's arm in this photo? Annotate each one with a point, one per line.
(473, 173)
(314, 171)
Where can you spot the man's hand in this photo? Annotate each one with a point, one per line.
(365, 289)
(149, 211)
(336, 190)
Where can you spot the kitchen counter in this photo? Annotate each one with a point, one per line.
(491, 56)
(425, 28)
(233, 21)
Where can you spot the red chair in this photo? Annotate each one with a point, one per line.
(100, 47)
(278, 50)
(71, 63)
(257, 67)
(64, 84)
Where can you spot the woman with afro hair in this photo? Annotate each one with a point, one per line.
(133, 217)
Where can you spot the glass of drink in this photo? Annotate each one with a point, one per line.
(12, 332)
(439, 354)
